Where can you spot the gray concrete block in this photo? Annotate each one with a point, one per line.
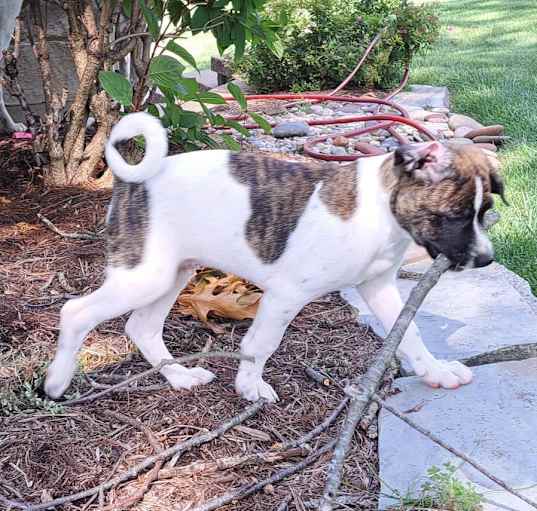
(493, 420)
(423, 96)
(468, 312)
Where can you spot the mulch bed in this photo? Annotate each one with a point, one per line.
(48, 451)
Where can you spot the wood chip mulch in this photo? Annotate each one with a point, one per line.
(48, 451)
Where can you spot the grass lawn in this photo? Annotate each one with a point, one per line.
(202, 47)
(487, 57)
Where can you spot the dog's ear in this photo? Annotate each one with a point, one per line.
(428, 161)
(496, 182)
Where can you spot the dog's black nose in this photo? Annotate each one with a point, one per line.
(483, 260)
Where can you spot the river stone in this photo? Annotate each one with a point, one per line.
(492, 420)
(291, 129)
(458, 120)
(489, 131)
(340, 141)
(352, 108)
(437, 118)
(487, 147)
(489, 139)
(338, 151)
(459, 141)
(462, 131)
(419, 114)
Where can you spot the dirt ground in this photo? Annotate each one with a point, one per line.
(48, 450)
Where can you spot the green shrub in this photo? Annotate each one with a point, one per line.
(323, 40)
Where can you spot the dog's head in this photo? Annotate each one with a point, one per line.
(440, 196)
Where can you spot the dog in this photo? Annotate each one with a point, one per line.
(9, 11)
(296, 231)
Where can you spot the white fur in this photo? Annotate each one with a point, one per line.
(483, 246)
(198, 213)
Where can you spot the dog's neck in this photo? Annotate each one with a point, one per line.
(377, 183)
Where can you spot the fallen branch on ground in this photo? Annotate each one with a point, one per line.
(153, 474)
(150, 461)
(453, 450)
(153, 370)
(210, 467)
(68, 235)
(249, 489)
(362, 391)
(505, 354)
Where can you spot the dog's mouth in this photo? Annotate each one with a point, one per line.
(457, 264)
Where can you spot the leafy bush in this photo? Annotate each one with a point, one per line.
(323, 40)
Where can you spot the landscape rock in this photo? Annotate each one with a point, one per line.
(459, 141)
(436, 118)
(352, 108)
(366, 148)
(424, 96)
(493, 420)
(291, 129)
(418, 114)
(458, 120)
(466, 313)
(340, 141)
(338, 151)
(493, 131)
(487, 147)
(462, 131)
(490, 139)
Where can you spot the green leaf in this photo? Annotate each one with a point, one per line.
(230, 142)
(187, 88)
(127, 7)
(239, 38)
(191, 120)
(174, 113)
(211, 98)
(237, 94)
(165, 71)
(151, 19)
(153, 110)
(176, 8)
(182, 53)
(117, 86)
(199, 20)
(239, 127)
(263, 123)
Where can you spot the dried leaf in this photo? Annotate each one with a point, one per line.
(226, 297)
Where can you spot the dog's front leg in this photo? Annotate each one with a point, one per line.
(275, 313)
(383, 298)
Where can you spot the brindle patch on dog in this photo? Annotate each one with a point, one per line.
(279, 193)
(128, 217)
(442, 214)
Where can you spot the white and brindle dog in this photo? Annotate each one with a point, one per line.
(296, 231)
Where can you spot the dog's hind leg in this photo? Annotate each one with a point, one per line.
(145, 326)
(275, 312)
(122, 291)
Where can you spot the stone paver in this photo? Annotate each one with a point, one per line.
(468, 312)
(493, 420)
(423, 96)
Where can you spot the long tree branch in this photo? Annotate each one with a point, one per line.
(150, 461)
(363, 390)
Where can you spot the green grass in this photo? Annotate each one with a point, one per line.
(487, 56)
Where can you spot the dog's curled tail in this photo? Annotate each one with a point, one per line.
(156, 147)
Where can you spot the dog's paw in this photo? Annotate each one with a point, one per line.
(448, 375)
(184, 378)
(57, 380)
(254, 388)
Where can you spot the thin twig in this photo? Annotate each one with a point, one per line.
(153, 370)
(304, 439)
(68, 235)
(363, 390)
(454, 451)
(249, 489)
(150, 461)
